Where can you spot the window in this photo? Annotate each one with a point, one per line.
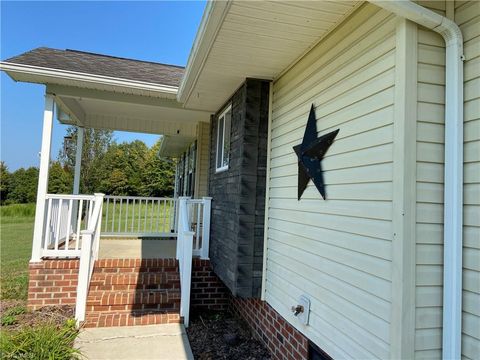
(223, 139)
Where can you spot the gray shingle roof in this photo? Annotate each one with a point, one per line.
(105, 65)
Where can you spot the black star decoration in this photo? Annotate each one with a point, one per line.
(310, 154)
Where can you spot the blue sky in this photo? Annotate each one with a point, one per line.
(159, 31)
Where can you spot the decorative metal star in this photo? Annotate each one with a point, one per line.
(310, 154)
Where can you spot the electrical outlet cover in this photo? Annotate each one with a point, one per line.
(304, 316)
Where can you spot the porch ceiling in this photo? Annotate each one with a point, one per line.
(125, 112)
(257, 39)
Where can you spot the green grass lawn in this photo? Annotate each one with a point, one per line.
(16, 232)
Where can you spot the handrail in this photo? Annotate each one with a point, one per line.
(89, 253)
(70, 196)
(185, 257)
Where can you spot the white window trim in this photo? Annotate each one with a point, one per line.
(225, 167)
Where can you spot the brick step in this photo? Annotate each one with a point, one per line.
(136, 265)
(133, 297)
(131, 318)
(99, 279)
(174, 306)
(135, 287)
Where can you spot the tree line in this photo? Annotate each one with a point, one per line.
(109, 167)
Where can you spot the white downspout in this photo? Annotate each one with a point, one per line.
(453, 182)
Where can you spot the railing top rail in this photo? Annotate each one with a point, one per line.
(137, 197)
(70, 197)
(195, 201)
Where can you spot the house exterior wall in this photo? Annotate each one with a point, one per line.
(370, 258)
(337, 252)
(236, 238)
(429, 189)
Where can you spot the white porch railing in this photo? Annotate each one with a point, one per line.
(199, 211)
(192, 239)
(89, 253)
(184, 256)
(66, 216)
(139, 216)
(74, 223)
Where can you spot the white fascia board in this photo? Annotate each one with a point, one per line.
(91, 78)
(212, 20)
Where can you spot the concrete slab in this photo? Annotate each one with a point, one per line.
(137, 249)
(165, 342)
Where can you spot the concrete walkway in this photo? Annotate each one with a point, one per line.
(168, 341)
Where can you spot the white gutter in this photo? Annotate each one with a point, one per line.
(453, 182)
(91, 78)
(212, 19)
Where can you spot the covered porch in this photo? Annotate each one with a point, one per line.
(101, 92)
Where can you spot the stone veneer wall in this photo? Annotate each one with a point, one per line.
(238, 193)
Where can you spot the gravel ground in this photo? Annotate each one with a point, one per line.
(215, 335)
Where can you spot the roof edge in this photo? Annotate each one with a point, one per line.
(212, 19)
(78, 76)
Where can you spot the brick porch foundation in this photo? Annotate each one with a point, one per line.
(52, 282)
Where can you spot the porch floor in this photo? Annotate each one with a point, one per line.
(135, 248)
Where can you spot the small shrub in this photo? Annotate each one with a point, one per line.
(42, 342)
(9, 317)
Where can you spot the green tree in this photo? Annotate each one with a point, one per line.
(22, 187)
(159, 174)
(95, 145)
(122, 168)
(4, 182)
(60, 179)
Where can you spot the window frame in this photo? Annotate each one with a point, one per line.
(221, 147)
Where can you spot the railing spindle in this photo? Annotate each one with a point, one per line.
(113, 214)
(107, 205)
(120, 214)
(126, 214)
(133, 215)
(57, 231)
(145, 223)
(48, 226)
(69, 221)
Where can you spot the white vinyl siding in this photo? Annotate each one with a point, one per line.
(203, 156)
(429, 203)
(430, 157)
(467, 15)
(337, 252)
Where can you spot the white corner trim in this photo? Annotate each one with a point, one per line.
(453, 183)
(267, 194)
(213, 17)
(77, 76)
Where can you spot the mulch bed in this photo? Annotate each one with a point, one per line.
(49, 314)
(218, 335)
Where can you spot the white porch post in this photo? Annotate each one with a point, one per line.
(43, 178)
(78, 161)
